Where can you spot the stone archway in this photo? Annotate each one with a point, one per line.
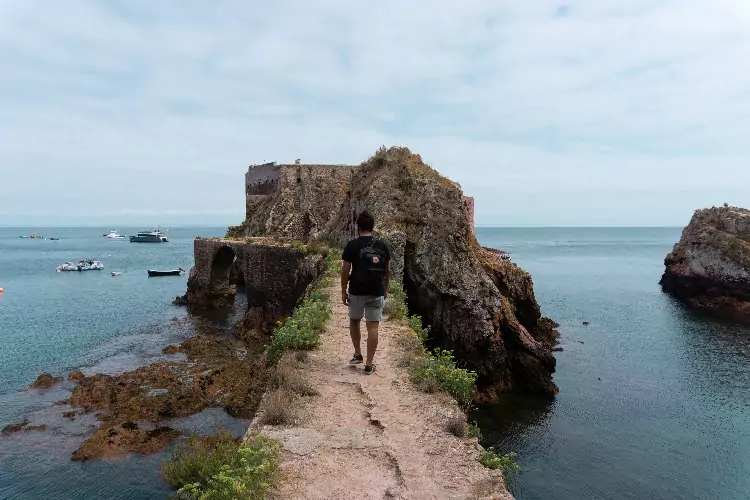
(221, 286)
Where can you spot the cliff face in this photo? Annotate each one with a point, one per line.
(709, 268)
(478, 306)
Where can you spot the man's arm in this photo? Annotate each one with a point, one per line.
(345, 268)
(387, 278)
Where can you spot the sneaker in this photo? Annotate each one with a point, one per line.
(369, 369)
(356, 360)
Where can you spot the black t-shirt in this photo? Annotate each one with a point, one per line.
(372, 287)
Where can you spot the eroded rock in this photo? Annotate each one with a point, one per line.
(45, 381)
(709, 268)
(212, 376)
(111, 441)
(76, 375)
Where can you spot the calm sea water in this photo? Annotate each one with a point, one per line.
(654, 401)
(653, 404)
(56, 322)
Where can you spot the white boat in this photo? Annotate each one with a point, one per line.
(115, 235)
(115, 273)
(153, 236)
(82, 265)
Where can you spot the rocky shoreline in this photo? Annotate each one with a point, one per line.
(709, 268)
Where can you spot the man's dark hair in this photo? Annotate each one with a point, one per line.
(365, 222)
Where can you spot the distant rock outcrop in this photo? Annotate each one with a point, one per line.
(709, 268)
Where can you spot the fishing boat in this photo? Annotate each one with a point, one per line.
(153, 236)
(82, 265)
(114, 235)
(171, 272)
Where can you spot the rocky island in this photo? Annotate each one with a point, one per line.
(478, 305)
(709, 268)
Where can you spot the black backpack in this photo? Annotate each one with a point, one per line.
(371, 263)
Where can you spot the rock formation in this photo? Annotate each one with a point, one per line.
(479, 306)
(274, 273)
(45, 381)
(709, 268)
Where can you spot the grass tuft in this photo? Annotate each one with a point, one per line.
(456, 426)
(286, 376)
(278, 408)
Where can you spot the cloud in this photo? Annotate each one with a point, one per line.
(159, 106)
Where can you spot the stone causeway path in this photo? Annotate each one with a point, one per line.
(374, 436)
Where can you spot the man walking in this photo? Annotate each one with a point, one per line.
(367, 270)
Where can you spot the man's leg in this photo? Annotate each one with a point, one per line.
(372, 340)
(373, 315)
(357, 336)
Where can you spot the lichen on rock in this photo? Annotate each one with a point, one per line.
(709, 268)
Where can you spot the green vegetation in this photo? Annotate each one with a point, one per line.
(220, 467)
(302, 330)
(505, 463)
(473, 430)
(300, 245)
(395, 307)
(431, 370)
(440, 366)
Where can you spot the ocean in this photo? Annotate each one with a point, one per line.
(58, 322)
(653, 399)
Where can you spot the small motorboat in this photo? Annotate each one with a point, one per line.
(114, 235)
(171, 272)
(83, 265)
(115, 273)
(54, 239)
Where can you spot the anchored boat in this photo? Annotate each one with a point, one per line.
(153, 236)
(171, 272)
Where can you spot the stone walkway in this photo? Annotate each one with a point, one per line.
(376, 436)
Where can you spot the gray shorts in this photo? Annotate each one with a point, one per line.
(369, 306)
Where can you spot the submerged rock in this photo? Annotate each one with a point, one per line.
(709, 268)
(212, 376)
(45, 381)
(111, 441)
(13, 428)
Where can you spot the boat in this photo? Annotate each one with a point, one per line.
(153, 236)
(113, 235)
(115, 273)
(55, 239)
(171, 272)
(82, 265)
(33, 236)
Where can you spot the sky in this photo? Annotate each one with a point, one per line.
(549, 113)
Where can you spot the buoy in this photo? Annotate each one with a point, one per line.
(2, 290)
